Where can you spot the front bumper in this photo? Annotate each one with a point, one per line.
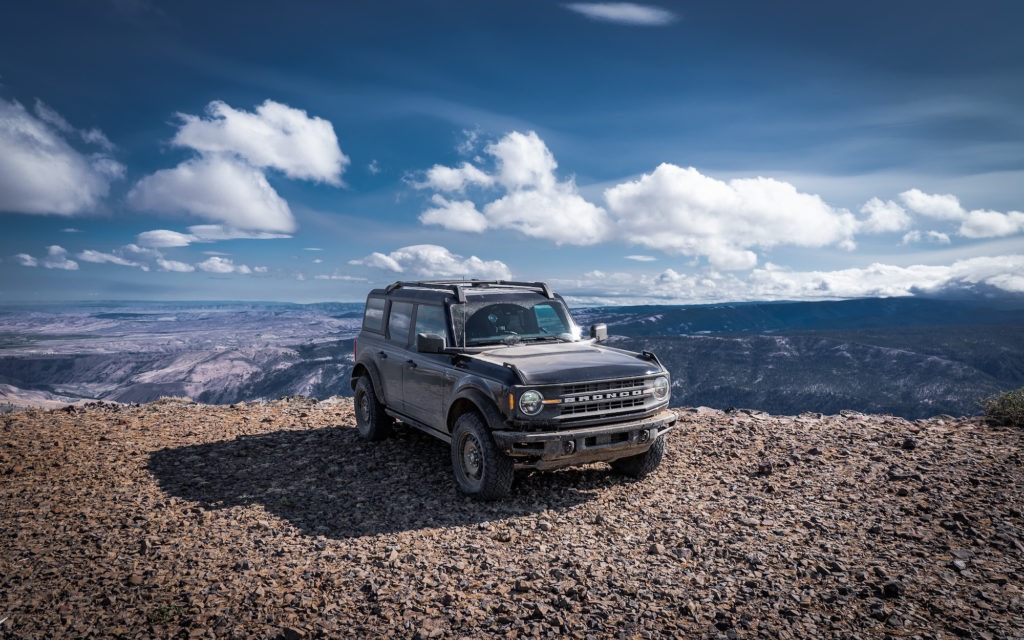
(554, 449)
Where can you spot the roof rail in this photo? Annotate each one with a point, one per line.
(458, 287)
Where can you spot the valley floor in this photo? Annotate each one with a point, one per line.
(175, 519)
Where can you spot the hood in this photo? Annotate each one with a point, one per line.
(563, 362)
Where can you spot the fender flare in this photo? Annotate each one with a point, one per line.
(481, 401)
(371, 370)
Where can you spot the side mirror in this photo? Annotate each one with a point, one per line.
(430, 343)
(599, 332)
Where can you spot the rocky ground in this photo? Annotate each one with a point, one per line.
(267, 520)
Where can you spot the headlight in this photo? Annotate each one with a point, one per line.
(661, 387)
(531, 402)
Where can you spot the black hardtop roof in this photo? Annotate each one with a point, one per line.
(459, 288)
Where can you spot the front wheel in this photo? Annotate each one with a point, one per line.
(640, 465)
(481, 470)
(373, 422)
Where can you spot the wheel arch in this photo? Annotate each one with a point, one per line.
(476, 401)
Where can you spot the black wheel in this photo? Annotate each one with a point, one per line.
(640, 465)
(480, 469)
(373, 423)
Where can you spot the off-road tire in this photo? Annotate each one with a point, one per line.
(373, 423)
(640, 465)
(481, 470)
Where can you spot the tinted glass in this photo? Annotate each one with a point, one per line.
(399, 322)
(373, 317)
(430, 319)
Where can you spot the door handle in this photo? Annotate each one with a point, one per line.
(411, 363)
(382, 354)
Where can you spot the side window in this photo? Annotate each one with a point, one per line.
(430, 319)
(399, 322)
(373, 316)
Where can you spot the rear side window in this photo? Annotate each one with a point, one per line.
(399, 322)
(373, 316)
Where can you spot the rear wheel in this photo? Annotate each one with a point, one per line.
(373, 422)
(481, 470)
(640, 465)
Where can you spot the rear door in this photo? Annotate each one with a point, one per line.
(392, 354)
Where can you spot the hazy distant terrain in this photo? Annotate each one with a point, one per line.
(909, 357)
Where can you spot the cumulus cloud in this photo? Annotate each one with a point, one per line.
(441, 178)
(457, 215)
(433, 261)
(217, 264)
(40, 172)
(991, 224)
(682, 211)
(99, 257)
(218, 188)
(977, 223)
(174, 265)
(274, 136)
(226, 183)
(883, 217)
(943, 207)
(638, 258)
(625, 13)
(26, 260)
(164, 238)
(57, 258)
(532, 200)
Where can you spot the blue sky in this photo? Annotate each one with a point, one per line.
(679, 152)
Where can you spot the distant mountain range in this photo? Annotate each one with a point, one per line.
(912, 357)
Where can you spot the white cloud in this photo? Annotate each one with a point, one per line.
(174, 265)
(98, 138)
(216, 232)
(943, 207)
(312, 249)
(164, 238)
(338, 276)
(625, 13)
(57, 258)
(70, 230)
(977, 223)
(535, 203)
(217, 188)
(641, 258)
(883, 217)
(558, 213)
(441, 178)
(682, 211)
(991, 224)
(936, 237)
(275, 136)
(373, 167)
(457, 215)
(433, 261)
(772, 282)
(40, 172)
(99, 257)
(26, 260)
(216, 264)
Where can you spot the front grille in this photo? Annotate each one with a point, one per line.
(602, 407)
(606, 385)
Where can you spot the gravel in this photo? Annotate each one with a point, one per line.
(274, 520)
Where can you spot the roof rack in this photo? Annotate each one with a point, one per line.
(458, 287)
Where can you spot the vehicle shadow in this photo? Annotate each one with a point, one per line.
(329, 482)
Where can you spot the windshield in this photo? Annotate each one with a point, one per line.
(511, 319)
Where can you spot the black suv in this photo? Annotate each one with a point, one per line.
(499, 370)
